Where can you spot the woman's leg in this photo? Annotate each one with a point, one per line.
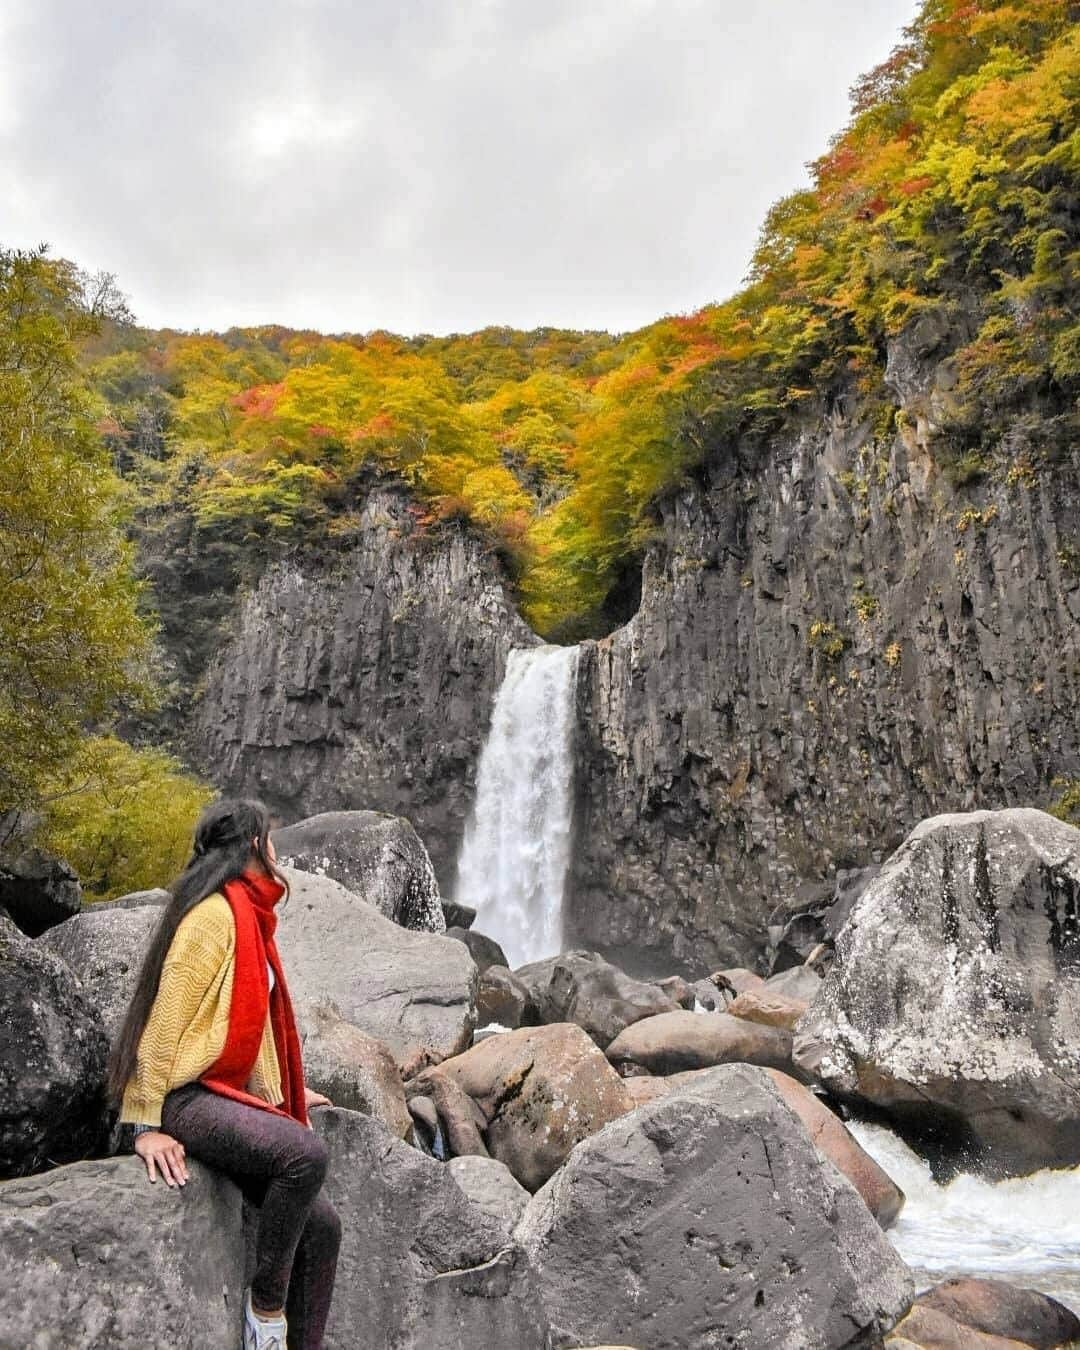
(277, 1162)
(312, 1280)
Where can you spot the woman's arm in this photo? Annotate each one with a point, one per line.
(192, 965)
(196, 961)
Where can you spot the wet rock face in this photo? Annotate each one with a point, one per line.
(367, 686)
(833, 643)
(954, 1003)
(709, 1218)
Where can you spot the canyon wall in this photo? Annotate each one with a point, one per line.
(833, 642)
(366, 683)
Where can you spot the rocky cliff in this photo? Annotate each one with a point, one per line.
(367, 682)
(834, 641)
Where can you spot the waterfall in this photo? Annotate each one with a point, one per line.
(516, 847)
(1024, 1229)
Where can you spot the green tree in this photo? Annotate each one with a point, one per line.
(122, 817)
(72, 642)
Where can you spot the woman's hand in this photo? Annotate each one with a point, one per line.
(163, 1152)
(315, 1099)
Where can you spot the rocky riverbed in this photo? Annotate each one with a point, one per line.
(649, 1164)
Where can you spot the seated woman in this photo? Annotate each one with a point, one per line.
(207, 1064)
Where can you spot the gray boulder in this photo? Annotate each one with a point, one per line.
(104, 946)
(501, 998)
(954, 1003)
(458, 916)
(484, 950)
(995, 1308)
(94, 1255)
(407, 989)
(174, 1259)
(581, 987)
(799, 982)
(157, 895)
(707, 1218)
(377, 856)
(38, 890)
(352, 1068)
(421, 1264)
(676, 1041)
(491, 1185)
(541, 1090)
(52, 1059)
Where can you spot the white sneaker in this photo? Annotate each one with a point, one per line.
(262, 1333)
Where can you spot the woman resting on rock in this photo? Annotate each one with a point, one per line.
(207, 1063)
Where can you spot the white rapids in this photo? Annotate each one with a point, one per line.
(1025, 1230)
(514, 855)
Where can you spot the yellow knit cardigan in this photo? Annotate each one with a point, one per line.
(189, 1020)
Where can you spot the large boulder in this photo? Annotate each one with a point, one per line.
(421, 1264)
(929, 1329)
(376, 856)
(52, 1059)
(768, 1008)
(104, 946)
(156, 895)
(406, 989)
(353, 1069)
(708, 1218)
(94, 1255)
(583, 988)
(38, 890)
(830, 1135)
(484, 950)
(542, 1090)
(491, 1185)
(676, 1041)
(996, 1308)
(954, 1004)
(501, 998)
(884, 1198)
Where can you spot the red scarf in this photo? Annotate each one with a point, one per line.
(252, 897)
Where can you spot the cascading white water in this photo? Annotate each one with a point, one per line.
(1025, 1229)
(513, 858)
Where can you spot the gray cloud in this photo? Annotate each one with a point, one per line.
(426, 165)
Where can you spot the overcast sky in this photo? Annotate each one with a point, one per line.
(418, 165)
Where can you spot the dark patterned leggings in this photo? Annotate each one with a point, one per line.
(279, 1165)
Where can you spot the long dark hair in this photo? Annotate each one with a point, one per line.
(229, 836)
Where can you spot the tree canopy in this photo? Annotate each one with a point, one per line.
(72, 642)
(949, 200)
